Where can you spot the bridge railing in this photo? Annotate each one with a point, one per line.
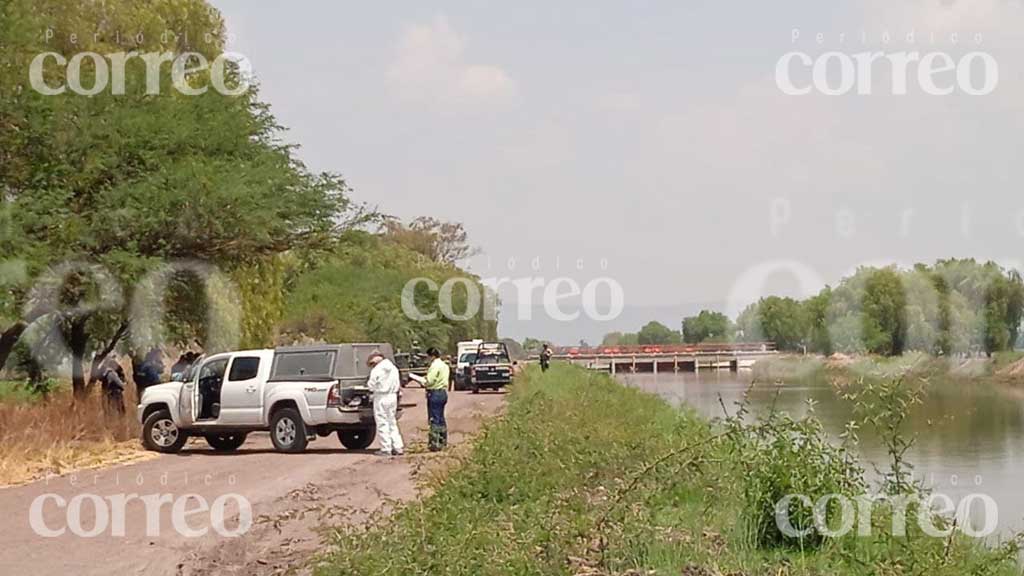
(681, 349)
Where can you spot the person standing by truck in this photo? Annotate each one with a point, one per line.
(111, 377)
(437, 398)
(384, 383)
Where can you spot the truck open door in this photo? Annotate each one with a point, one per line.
(187, 402)
(188, 399)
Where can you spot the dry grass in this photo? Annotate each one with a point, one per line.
(38, 439)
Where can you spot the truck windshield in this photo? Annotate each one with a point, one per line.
(493, 359)
(468, 358)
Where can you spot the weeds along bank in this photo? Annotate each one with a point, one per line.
(585, 476)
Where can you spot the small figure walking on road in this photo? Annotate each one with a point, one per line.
(438, 377)
(545, 358)
(384, 383)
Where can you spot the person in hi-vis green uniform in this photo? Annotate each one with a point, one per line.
(437, 398)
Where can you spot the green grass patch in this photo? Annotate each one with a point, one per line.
(20, 391)
(13, 392)
(583, 476)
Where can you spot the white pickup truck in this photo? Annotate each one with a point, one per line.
(295, 393)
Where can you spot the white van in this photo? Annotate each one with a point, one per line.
(465, 356)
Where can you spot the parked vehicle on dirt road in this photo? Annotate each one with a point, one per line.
(410, 365)
(462, 368)
(492, 367)
(296, 394)
(465, 355)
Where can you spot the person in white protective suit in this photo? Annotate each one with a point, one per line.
(384, 384)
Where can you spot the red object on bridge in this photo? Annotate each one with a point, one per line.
(702, 348)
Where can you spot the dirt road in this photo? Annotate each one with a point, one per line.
(186, 514)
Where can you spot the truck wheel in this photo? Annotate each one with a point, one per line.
(476, 389)
(288, 431)
(357, 439)
(161, 434)
(226, 442)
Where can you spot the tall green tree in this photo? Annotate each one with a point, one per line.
(657, 333)
(782, 321)
(884, 320)
(354, 294)
(1014, 306)
(985, 304)
(748, 325)
(944, 343)
(816, 316)
(707, 326)
(1004, 300)
(956, 306)
(123, 184)
(924, 310)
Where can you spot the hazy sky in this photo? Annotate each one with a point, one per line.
(652, 136)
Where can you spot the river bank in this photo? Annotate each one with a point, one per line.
(584, 476)
(1003, 367)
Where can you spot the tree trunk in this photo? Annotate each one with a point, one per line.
(134, 362)
(99, 358)
(78, 341)
(9, 338)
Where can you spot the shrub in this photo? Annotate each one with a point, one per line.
(782, 456)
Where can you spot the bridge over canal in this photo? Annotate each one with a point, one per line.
(668, 358)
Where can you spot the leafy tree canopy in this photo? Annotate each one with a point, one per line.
(126, 183)
(955, 306)
(444, 242)
(657, 333)
(707, 326)
(354, 295)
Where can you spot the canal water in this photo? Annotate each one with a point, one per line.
(969, 438)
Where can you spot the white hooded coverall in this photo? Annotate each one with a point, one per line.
(384, 384)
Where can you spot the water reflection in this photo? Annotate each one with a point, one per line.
(970, 438)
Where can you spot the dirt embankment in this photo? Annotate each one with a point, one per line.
(1013, 370)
